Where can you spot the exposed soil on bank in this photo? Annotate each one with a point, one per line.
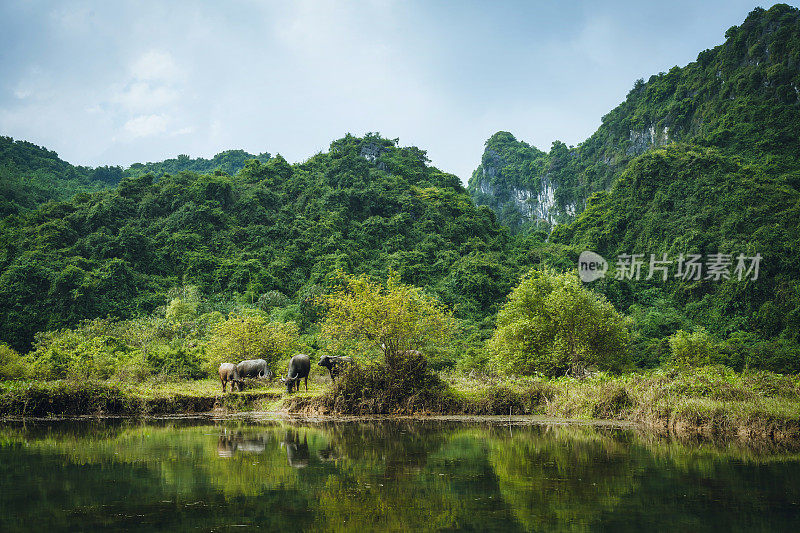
(58, 399)
(706, 404)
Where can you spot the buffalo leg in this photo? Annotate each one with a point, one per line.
(223, 386)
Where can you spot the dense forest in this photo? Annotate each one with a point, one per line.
(698, 160)
(366, 206)
(31, 175)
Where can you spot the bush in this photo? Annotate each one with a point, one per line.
(88, 352)
(746, 351)
(185, 305)
(177, 361)
(405, 387)
(250, 336)
(368, 316)
(12, 365)
(553, 325)
(695, 349)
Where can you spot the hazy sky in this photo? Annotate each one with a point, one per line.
(120, 82)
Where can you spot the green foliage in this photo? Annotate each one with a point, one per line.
(12, 365)
(250, 336)
(178, 361)
(702, 159)
(552, 325)
(392, 318)
(365, 207)
(229, 162)
(87, 352)
(378, 388)
(696, 348)
(185, 307)
(31, 175)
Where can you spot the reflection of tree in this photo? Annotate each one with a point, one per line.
(383, 475)
(408, 477)
(229, 444)
(562, 478)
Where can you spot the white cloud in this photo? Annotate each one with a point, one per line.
(143, 96)
(199, 78)
(155, 65)
(183, 131)
(34, 84)
(146, 125)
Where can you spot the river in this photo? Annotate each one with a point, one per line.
(205, 474)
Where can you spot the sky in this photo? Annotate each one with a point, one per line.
(114, 83)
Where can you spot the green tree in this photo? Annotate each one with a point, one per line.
(552, 325)
(11, 363)
(697, 348)
(251, 336)
(185, 305)
(391, 318)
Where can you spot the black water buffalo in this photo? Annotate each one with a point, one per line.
(299, 367)
(334, 364)
(254, 368)
(228, 372)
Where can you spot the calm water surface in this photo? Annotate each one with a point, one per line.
(205, 475)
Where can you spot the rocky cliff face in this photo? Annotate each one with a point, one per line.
(741, 98)
(521, 184)
(642, 140)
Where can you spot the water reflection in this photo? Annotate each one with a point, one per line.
(296, 451)
(385, 475)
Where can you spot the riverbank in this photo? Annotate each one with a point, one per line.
(710, 402)
(71, 398)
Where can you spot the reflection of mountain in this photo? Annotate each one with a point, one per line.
(388, 475)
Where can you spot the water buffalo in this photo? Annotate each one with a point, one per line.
(228, 372)
(334, 364)
(254, 368)
(299, 367)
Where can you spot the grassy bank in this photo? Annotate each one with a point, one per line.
(711, 401)
(74, 398)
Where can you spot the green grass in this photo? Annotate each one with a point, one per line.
(712, 401)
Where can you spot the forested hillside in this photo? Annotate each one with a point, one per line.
(701, 160)
(31, 175)
(740, 98)
(273, 230)
(230, 161)
(698, 160)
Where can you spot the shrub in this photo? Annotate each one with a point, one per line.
(553, 325)
(250, 336)
(696, 349)
(272, 299)
(83, 353)
(177, 361)
(376, 388)
(392, 318)
(12, 365)
(185, 305)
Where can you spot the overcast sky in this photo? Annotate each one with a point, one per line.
(119, 82)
